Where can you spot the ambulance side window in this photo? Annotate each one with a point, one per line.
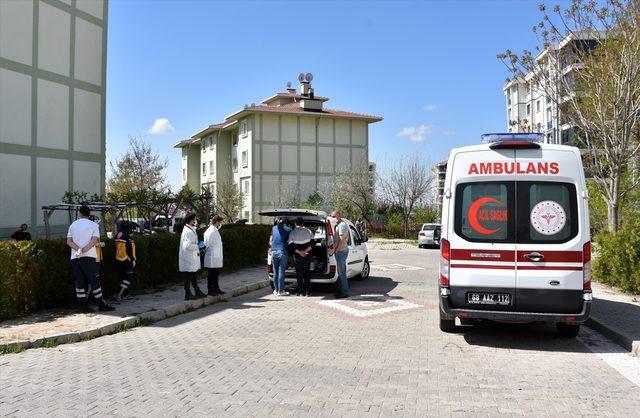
(547, 212)
(485, 211)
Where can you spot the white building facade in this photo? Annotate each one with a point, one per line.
(290, 144)
(529, 107)
(52, 107)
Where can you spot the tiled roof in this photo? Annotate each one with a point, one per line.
(295, 108)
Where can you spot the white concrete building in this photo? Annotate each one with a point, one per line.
(290, 143)
(52, 107)
(531, 110)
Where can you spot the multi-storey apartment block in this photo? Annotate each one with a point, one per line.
(290, 143)
(530, 108)
(52, 107)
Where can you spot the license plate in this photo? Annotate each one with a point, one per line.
(488, 298)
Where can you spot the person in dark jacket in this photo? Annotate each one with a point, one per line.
(21, 234)
(125, 257)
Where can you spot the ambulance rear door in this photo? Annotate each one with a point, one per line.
(550, 240)
(481, 230)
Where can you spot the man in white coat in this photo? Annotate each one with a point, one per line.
(189, 258)
(213, 255)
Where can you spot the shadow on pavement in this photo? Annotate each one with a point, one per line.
(624, 316)
(374, 285)
(534, 336)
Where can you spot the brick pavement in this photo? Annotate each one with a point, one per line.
(262, 355)
(67, 324)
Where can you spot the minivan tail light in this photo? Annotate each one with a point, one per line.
(445, 259)
(586, 266)
(330, 234)
(422, 234)
(332, 269)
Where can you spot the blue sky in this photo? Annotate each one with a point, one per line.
(429, 68)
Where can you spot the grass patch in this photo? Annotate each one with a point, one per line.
(10, 349)
(47, 343)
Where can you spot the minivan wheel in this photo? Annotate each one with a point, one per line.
(447, 325)
(366, 270)
(567, 330)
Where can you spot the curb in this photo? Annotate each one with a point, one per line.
(131, 321)
(613, 333)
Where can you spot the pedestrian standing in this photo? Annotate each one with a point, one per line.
(22, 234)
(341, 252)
(189, 258)
(126, 257)
(279, 255)
(300, 239)
(82, 238)
(213, 255)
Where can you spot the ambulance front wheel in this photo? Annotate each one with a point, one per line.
(447, 325)
(567, 330)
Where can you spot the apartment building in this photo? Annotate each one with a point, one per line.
(529, 108)
(291, 143)
(52, 107)
(439, 175)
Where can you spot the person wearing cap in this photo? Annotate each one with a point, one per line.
(279, 255)
(213, 255)
(82, 238)
(189, 258)
(300, 239)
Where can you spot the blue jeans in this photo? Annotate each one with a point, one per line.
(279, 260)
(341, 261)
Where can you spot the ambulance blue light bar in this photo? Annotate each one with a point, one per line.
(510, 140)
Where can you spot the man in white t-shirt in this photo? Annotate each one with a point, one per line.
(82, 238)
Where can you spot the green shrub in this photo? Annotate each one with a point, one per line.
(617, 258)
(37, 275)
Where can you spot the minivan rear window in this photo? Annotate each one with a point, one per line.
(484, 211)
(545, 212)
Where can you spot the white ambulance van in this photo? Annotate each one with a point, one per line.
(515, 237)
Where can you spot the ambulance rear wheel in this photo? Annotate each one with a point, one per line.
(567, 330)
(447, 325)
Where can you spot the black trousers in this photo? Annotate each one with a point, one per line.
(212, 280)
(125, 271)
(303, 273)
(86, 269)
(190, 279)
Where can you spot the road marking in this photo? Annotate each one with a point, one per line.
(369, 305)
(612, 354)
(395, 267)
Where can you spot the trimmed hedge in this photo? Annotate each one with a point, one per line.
(37, 275)
(617, 260)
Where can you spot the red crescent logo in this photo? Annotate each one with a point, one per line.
(472, 214)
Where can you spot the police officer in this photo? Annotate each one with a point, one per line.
(125, 257)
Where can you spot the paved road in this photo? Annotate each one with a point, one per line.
(381, 354)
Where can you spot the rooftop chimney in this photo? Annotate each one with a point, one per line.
(290, 88)
(308, 102)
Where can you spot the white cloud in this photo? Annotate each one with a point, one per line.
(161, 126)
(429, 107)
(448, 133)
(416, 134)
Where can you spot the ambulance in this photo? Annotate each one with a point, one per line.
(515, 237)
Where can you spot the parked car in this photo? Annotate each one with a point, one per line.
(515, 241)
(429, 235)
(323, 265)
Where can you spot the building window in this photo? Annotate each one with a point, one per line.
(211, 167)
(184, 174)
(211, 142)
(245, 159)
(204, 169)
(246, 214)
(235, 139)
(234, 165)
(243, 128)
(528, 109)
(538, 106)
(245, 187)
(204, 145)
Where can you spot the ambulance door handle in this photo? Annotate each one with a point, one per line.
(534, 256)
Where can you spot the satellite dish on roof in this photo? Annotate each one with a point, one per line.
(308, 77)
(301, 77)
(289, 84)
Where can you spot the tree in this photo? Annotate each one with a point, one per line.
(229, 200)
(354, 191)
(137, 174)
(406, 185)
(595, 84)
